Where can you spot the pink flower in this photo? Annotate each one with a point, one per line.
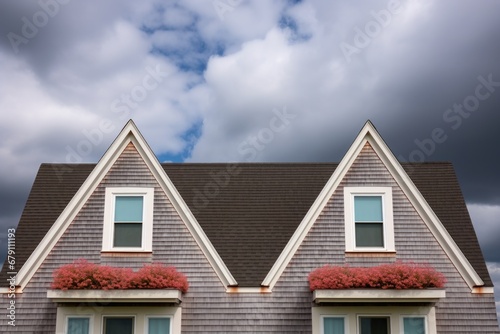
(388, 276)
(157, 276)
(83, 275)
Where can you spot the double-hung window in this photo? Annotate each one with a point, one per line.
(128, 219)
(369, 222)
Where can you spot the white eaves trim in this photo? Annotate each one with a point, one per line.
(378, 295)
(129, 134)
(116, 296)
(369, 134)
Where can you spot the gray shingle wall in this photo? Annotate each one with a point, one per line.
(207, 308)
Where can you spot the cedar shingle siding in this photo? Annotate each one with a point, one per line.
(249, 222)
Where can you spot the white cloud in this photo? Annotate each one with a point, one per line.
(76, 87)
(272, 73)
(32, 121)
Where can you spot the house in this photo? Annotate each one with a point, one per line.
(247, 236)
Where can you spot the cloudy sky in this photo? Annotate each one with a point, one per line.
(242, 80)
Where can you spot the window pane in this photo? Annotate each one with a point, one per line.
(368, 209)
(414, 325)
(369, 235)
(374, 325)
(78, 325)
(127, 235)
(333, 325)
(159, 326)
(118, 325)
(128, 208)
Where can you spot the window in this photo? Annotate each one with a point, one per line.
(118, 325)
(334, 325)
(404, 319)
(129, 212)
(368, 219)
(158, 325)
(414, 325)
(128, 219)
(147, 318)
(78, 325)
(374, 325)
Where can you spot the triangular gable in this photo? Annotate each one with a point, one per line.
(369, 134)
(129, 134)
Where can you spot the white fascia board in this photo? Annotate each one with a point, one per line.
(116, 296)
(129, 133)
(378, 295)
(369, 134)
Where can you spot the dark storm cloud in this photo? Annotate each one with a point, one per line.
(428, 72)
(41, 31)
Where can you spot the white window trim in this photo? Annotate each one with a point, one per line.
(147, 222)
(387, 212)
(352, 314)
(97, 314)
(86, 316)
(146, 322)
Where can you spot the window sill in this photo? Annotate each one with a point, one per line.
(116, 296)
(113, 253)
(370, 253)
(378, 295)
